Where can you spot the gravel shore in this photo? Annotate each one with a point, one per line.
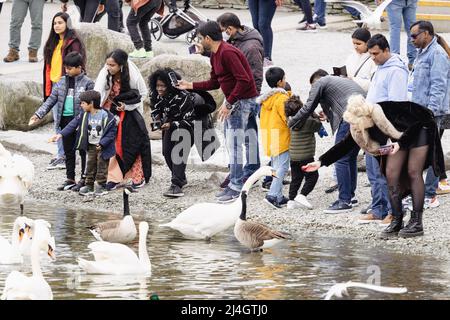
(149, 204)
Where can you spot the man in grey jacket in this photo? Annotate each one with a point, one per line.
(332, 93)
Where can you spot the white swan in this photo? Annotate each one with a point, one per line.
(204, 220)
(120, 231)
(11, 253)
(254, 235)
(20, 287)
(118, 259)
(16, 177)
(340, 289)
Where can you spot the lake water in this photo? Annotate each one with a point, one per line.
(304, 268)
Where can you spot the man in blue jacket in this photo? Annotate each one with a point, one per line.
(429, 86)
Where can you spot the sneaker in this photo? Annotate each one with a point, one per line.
(368, 218)
(79, 185)
(443, 187)
(174, 191)
(272, 201)
(366, 210)
(53, 160)
(354, 202)
(294, 205)
(138, 53)
(138, 185)
(230, 196)
(59, 163)
(431, 203)
(265, 186)
(110, 186)
(283, 202)
(100, 190)
(301, 199)
(222, 193)
(387, 220)
(267, 63)
(225, 182)
(87, 190)
(149, 54)
(67, 185)
(322, 26)
(338, 207)
(308, 28)
(332, 188)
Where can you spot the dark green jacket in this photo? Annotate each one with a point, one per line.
(303, 140)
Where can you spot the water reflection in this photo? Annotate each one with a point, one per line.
(222, 268)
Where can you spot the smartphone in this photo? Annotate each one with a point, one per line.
(192, 49)
(173, 79)
(386, 149)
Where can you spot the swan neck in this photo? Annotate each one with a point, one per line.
(250, 181)
(244, 206)
(35, 263)
(15, 236)
(126, 206)
(143, 254)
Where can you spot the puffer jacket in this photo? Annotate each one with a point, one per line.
(274, 129)
(59, 93)
(303, 140)
(250, 42)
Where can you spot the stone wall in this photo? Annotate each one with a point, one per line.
(332, 8)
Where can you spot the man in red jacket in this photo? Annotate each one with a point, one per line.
(230, 72)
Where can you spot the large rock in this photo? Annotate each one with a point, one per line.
(100, 41)
(18, 102)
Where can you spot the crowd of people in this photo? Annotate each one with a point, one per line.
(395, 111)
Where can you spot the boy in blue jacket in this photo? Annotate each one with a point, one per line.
(96, 133)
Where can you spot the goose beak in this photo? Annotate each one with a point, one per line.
(51, 253)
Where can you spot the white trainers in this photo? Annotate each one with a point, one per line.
(431, 203)
(293, 205)
(301, 199)
(138, 53)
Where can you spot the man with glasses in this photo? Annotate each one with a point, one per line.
(232, 73)
(428, 85)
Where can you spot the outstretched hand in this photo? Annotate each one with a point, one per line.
(312, 166)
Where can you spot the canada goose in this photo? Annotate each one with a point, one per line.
(16, 177)
(118, 259)
(340, 289)
(204, 220)
(120, 231)
(21, 287)
(254, 235)
(11, 253)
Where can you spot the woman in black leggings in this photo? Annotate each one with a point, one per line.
(416, 145)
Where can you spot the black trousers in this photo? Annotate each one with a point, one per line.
(142, 18)
(87, 8)
(297, 175)
(69, 151)
(176, 148)
(115, 16)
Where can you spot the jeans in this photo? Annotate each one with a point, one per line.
(319, 10)
(142, 17)
(378, 188)
(346, 167)
(69, 151)
(236, 128)
(253, 162)
(18, 14)
(59, 143)
(281, 164)
(262, 12)
(396, 10)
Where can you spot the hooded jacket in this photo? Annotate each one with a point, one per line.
(274, 129)
(390, 82)
(250, 42)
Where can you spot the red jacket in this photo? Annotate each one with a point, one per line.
(231, 72)
(136, 4)
(69, 45)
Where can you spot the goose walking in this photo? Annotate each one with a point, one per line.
(119, 231)
(340, 289)
(204, 220)
(16, 177)
(254, 235)
(21, 287)
(11, 253)
(118, 259)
